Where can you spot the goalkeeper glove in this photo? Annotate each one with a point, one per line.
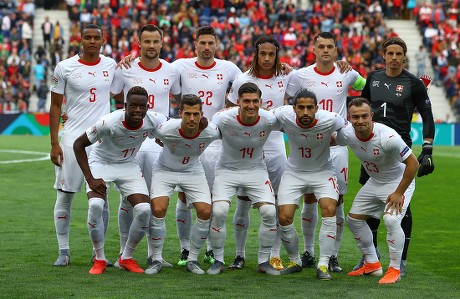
(425, 160)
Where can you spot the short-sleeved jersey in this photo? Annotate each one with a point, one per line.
(158, 82)
(181, 153)
(273, 89)
(242, 145)
(309, 147)
(394, 100)
(86, 88)
(118, 143)
(330, 88)
(381, 154)
(209, 83)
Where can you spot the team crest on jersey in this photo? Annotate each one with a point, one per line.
(280, 84)
(376, 151)
(166, 81)
(220, 77)
(399, 88)
(201, 145)
(105, 73)
(319, 137)
(339, 84)
(262, 134)
(375, 83)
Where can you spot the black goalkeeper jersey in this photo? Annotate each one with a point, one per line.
(394, 100)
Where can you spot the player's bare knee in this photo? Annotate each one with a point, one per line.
(284, 219)
(204, 212)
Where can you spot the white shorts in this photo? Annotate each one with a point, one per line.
(208, 159)
(254, 183)
(371, 198)
(194, 185)
(339, 156)
(295, 184)
(126, 176)
(69, 176)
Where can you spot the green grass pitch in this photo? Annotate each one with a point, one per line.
(29, 247)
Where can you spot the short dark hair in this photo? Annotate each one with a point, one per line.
(394, 41)
(358, 102)
(137, 90)
(149, 28)
(326, 35)
(91, 26)
(249, 87)
(206, 30)
(190, 100)
(254, 68)
(305, 93)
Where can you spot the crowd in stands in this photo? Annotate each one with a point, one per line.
(358, 25)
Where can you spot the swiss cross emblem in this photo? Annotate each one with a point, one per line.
(261, 134)
(280, 84)
(376, 152)
(201, 145)
(105, 73)
(399, 88)
(338, 83)
(220, 77)
(319, 136)
(166, 81)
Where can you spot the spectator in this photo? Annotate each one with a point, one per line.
(420, 59)
(42, 94)
(27, 32)
(47, 28)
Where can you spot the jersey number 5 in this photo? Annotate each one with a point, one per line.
(92, 95)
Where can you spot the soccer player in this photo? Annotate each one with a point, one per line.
(119, 136)
(309, 170)
(160, 79)
(392, 167)
(84, 82)
(244, 129)
(394, 94)
(209, 78)
(266, 72)
(179, 165)
(330, 86)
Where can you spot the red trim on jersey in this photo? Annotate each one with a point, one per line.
(150, 70)
(265, 77)
(89, 63)
(367, 139)
(186, 137)
(250, 125)
(304, 127)
(132, 129)
(323, 74)
(205, 67)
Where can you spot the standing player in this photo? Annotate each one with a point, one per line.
(160, 79)
(309, 170)
(179, 165)
(84, 80)
(266, 72)
(244, 129)
(119, 136)
(392, 167)
(394, 94)
(331, 87)
(209, 78)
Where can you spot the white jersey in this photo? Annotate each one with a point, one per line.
(242, 147)
(181, 153)
(87, 92)
(273, 89)
(209, 83)
(158, 82)
(381, 154)
(117, 143)
(309, 147)
(330, 88)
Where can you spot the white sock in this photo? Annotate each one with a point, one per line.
(290, 240)
(363, 237)
(183, 224)
(309, 221)
(138, 228)
(395, 239)
(125, 218)
(340, 216)
(157, 235)
(96, 226)
(198, 235)
(267, 232)
(276, 248)
(62, 218)
(106, 215)
(218, 229)
(241, 225)
(326, 239)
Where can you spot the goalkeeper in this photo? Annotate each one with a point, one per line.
(395, 94)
